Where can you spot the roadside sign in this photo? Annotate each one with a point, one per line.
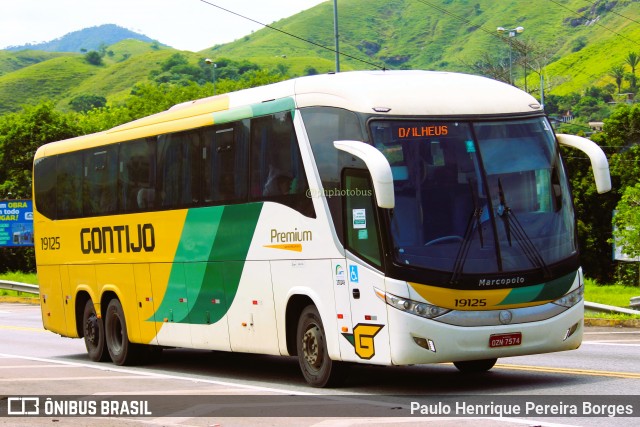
(16, 223)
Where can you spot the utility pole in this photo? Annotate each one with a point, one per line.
(335, 31)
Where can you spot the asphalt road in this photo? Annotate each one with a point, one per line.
(204, 388)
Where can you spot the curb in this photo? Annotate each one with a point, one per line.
(20, 300)
(613, 323)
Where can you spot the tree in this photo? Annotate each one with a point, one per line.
(20, 136)
(627, 221)
(93, 58)
(617, 72)
(84, 103)
(632, 59)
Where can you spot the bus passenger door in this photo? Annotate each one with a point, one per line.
(368, 336)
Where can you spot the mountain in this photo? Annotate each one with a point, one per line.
(92, 38)
(573, 43)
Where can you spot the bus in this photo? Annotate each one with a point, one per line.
(377, 217)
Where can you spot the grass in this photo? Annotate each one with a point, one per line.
(616, 295)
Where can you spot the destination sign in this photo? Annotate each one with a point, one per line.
(425, 131)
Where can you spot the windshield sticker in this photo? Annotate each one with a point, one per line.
(359, 218)
(363, 234)
(470, 147)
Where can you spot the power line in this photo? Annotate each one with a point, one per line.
(466, 21)
(596, 23)
(293, 35)
(620, 15)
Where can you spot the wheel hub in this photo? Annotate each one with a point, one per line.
(310, 346)
(91, 329)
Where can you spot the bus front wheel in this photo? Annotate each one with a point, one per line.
(121, 350)
(317, 367)
(93, 330)
(472, 366)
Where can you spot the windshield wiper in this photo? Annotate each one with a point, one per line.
(475, 222)
(512, 225)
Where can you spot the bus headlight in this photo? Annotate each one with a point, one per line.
(407, 305)
(571, 299)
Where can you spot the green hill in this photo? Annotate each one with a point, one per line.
(574, 42)
(581, 39)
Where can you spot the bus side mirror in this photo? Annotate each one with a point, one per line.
(378, 166)
(599, 162)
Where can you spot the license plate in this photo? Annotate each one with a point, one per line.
(505, 340)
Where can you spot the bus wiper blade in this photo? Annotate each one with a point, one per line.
(504, 211)
(511, 224)
(473, 223)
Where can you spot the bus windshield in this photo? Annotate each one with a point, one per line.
(477, 197)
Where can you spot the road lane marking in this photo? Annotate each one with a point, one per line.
(114, 377)
(620, 343)
(353, 422)
(157, 375)
(574, 371)
(22, 328)
(35, 366)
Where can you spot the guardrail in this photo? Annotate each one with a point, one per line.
(593, 306)
(20, 287)
(602, 308)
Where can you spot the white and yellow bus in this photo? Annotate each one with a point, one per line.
(389, 218)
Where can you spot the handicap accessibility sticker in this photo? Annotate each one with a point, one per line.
(353, 273)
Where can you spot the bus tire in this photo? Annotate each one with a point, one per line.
(121, 350)
(93, 331)
(316, 366)
(472, 366)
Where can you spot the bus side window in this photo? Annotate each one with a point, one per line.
(136, 175)
(277, 172)
(45, 186)
(225, 165)
(69, 185)
(100, 181)
(179, 169)
(361, 222)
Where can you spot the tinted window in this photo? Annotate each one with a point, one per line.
(277, 173)
(45, 186)
(136, 175)
(100, 176)
(69, 185)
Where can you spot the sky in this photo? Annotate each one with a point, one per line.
(182, 24)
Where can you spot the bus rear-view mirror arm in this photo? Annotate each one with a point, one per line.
(378, 166)
(599, 162)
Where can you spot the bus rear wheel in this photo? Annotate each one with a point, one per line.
(121, 350)
(472, 366)
(93, 331)
(317, 367)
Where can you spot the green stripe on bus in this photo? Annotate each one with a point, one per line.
(255, 110)
(209, 263)
(549, 291)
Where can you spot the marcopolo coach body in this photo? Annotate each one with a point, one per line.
(375, 217)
